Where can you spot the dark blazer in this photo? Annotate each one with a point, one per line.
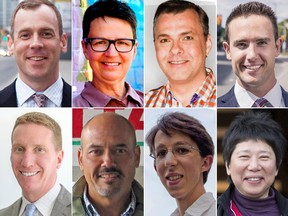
(229, 99)
(8, 96)
(62, 206)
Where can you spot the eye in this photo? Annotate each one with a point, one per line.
(161, 153)
(242, 45)
(264, 157)
(164, 41)
(24, 36)
(47, 34)
(18, 149)
(182, 150)
(244, 157)
(262, 43)
(99, 42)
(40, 149)
(123, 42)
(96, 152)
(188, 38)
(120, 151)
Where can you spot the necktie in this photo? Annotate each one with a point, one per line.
(40, 99)
(30, 209)
(262, 102)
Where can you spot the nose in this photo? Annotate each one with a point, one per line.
(28, 160)
(176, 48)
(36, 42)
(252, 52)
(107, 159)
(111, 50)
(170, 159)
(254, 164)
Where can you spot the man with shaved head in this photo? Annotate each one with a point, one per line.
(108, 158)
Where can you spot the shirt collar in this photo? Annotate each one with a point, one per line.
(54, 93)
(97, 98)
(247, 99)
(46, 203)
(91, 210)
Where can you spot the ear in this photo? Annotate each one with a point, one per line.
(206, 163)
(137, 155)
(10, 44)
(63, 43)
(135, 50)
(227, 169)
(60, 155)
(208, 44)
(279, 43)
(226, 47)
(85, 49)
(80, 156)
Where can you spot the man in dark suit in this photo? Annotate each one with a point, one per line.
(36, 154)
(37, 49)
(252, 44)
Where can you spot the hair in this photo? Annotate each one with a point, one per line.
(43, 120)
(179, 6)
(187, 125)
(109, 8)
(254, 125)
(33, 5)
(252, 8)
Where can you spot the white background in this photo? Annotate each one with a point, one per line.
(157, 199)
(154, 77)
(10, 191)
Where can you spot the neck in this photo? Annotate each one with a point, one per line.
(183, 91)
(259, 90)
(113, 89)
(39, 85)
(184, 203)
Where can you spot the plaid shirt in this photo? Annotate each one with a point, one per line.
(204, 96)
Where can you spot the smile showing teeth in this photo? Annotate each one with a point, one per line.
(110, 175)
(177, 62)
(253, 179)
(174, 178)
(111, 63)
(36, 58)
(254, 68)
(29, 173)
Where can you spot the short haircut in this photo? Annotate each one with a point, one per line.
(33, 5)
(252, 8)
(187, 125)
(109, 8)
(254, 125)
(179, 6)
(43, 120)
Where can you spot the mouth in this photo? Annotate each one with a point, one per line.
(174, 177)
(29, 174)
(177, 62)
(36, 58)
(252, 67)
(112, 64)
(254, 179)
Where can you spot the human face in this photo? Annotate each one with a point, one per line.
(37, 45)
(181, 175)
(253, 168)
(252, 50)
(34, 159)
(111, 66)
(181, 48)
(108, 158)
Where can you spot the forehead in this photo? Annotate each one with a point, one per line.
(188, 18)
(46, 18)
(253, 146)
(102, 27)
(174, 138)
(250, 26)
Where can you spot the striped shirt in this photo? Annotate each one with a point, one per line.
(204, 96)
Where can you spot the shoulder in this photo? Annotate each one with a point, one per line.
(12, 209)
(8, 96)
(138, 191)
(228, 99)
(154, 95)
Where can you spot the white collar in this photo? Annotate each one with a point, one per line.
(45, 204)
(246, 98)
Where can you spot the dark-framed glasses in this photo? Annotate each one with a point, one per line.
(122, 45)
(177, 151)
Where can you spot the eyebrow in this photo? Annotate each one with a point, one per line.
(248, 151)
(182, 33)
(257, 40)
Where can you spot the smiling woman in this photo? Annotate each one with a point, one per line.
(253, 150)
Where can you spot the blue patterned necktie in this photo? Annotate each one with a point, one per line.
(30, 209)
(40, 99)
(262, 102)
